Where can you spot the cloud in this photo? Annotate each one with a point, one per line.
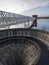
(38, 4)
(10, 6)
(19, 6)
(41, 4)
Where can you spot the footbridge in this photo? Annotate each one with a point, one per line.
(8, 19)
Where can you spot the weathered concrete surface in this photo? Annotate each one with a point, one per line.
(14, 51)
(44, 59)
(40, 37)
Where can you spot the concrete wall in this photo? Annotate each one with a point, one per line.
(40, 35)
(31, 51)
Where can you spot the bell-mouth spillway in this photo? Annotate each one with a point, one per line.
(24, 47)
(18, 51)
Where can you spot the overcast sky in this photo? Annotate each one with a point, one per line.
(19, 6)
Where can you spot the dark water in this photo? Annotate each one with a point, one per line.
(42, 24)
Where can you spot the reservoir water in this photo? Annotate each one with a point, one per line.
(42, 24)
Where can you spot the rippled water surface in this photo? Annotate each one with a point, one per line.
(42, 24)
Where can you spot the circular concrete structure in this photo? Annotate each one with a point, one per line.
(24, 47)
(18, 51)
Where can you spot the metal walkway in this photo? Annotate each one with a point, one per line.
(8, 19)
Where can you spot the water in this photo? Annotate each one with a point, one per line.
(42, 24)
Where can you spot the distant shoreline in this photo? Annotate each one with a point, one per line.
(43, 17)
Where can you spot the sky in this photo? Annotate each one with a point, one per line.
(24, 6)
(40, 11)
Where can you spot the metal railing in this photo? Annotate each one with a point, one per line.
(8, 19)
